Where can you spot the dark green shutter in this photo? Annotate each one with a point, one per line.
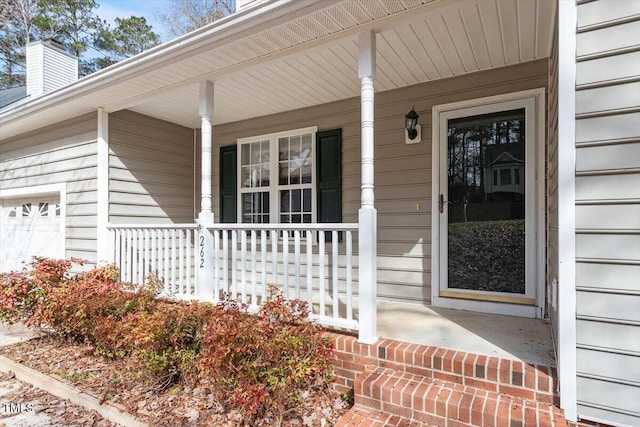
(329, 176)
(228, 183)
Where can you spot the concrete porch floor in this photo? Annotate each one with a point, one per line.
(527, 340)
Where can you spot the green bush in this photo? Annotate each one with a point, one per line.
(167, 340)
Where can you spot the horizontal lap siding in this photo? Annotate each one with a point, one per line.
(61, 154)
(151, 170)
(403, 175)
(608, 211)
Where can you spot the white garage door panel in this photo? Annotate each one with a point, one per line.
(30, 227)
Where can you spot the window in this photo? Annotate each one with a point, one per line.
(505, 176)
(276, 175)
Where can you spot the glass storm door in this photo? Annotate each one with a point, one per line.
(486, 203)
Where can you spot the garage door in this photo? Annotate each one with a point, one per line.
(30, 227)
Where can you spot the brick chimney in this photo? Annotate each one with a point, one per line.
(49, 67)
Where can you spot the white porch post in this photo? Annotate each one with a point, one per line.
(204, 288)
(104, 249)
(367, 215)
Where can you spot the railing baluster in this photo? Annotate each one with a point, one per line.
(225, 263)
(263, 254)
(190, 290)
(349, 252)
(334, 261)
(285, 263)
(181, 262)
(254, 297)
(167, 257)
(296, 259)
(154, 251)
(174, 286)
(234, 255)
(243, 265)
(147, 256)
(321, 271)
(274, 259)
(216, 265)
(310, 268)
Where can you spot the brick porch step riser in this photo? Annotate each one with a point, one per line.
(527, 381)
(440, 403)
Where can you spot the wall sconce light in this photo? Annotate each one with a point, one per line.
(413, 133)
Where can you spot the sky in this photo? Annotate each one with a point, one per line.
(111, 9)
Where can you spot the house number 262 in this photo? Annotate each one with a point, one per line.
(201, 251)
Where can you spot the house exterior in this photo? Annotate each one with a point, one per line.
(269, 147)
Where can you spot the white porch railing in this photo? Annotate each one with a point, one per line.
(299, 259)
(165, 250)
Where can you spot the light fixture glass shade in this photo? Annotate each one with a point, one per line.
(410, 122)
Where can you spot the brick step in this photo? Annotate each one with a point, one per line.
(499, 375)
(357, 417)
(442, 403)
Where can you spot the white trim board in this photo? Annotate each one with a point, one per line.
(533, 100)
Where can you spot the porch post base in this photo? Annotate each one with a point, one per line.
(367, 250)
(204, 283)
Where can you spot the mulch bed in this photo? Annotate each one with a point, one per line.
(176, 405)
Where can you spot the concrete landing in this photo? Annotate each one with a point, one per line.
(527, 340)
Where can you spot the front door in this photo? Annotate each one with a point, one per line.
(487, 194)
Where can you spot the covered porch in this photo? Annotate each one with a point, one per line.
(331, 57)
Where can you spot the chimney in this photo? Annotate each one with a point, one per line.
(49, 67)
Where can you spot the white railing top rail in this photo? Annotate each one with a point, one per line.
(188, 226)
(315, 226)
(240, 226)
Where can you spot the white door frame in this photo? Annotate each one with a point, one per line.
(533, 99)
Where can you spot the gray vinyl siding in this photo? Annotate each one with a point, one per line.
(552, 186)
(403, 173)
(151, 170)
(608, 211)
(61, 154)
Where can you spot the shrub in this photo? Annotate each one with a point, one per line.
(166, 341)
(262, 364)
(22, 292)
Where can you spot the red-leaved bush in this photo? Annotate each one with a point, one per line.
(260, 364)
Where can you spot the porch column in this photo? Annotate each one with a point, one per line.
(367, 215)
(204, 283)
(104, 238)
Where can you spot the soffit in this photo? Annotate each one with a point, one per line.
(311, 58)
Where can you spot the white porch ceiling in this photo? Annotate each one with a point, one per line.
(444, 39)
(291, 54)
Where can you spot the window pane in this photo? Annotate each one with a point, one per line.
(294, 147)
(505, 176)
(26, 209)
(296, 219)
(306, 146)
(264, 155)
(516, 176)
(246, 148)
(245, 176)
(306, 218)
(43, 208)
(255, 206)
(283, 144)
(285, 202)
(296, 200)
(283, 173)
(306, 172)
(306, 200)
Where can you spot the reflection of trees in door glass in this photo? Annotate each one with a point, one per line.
(486, 165)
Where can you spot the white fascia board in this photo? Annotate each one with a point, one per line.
(218, 33)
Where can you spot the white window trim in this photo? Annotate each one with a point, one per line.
(534, 183)
(272, 189)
